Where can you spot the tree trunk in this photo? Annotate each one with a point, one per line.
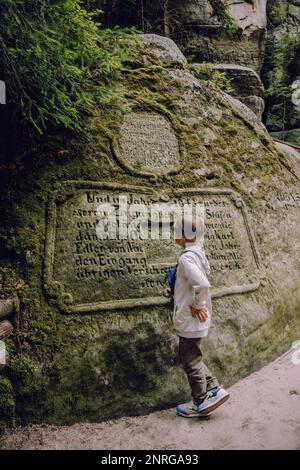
(143, 15)
(166, 18)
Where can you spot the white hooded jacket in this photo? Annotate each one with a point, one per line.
(192, 289)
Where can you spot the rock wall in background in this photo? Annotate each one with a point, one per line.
(266, 39)
(246, 85)
(212, 32)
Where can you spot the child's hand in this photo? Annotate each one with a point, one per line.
(167, 292)
(200, 313)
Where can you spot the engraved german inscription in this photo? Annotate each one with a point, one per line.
(99, 272)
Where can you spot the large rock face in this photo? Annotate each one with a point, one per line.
(246, 83)
(96, 332)
(163, 49)
(208, 26)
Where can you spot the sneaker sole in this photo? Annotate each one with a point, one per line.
(195, 415)
(215, 405)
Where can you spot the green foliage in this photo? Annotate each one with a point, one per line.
(228, 127)
(292, 136)
(20, 369)
(279, 10)
(10, 282)
(279, 76)
(57, 62)
(207, 73)
(278, 80)
(7, 404)
(229, 23)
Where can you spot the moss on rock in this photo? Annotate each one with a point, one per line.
(7, 404)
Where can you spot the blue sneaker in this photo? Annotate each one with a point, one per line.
(190, 410)
(215, 397)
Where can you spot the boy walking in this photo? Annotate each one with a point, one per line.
(192, 319)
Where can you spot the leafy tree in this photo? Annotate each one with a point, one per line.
(221, 11)
(278, 80)
(56, 62)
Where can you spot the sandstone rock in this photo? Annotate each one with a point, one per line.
(203, 27)
(99, 336)
(163, 49)
(247, 85)
(292, 154)
(209, 136)
(6, 329)
(250, 15)
(6, 308)
(247, 113)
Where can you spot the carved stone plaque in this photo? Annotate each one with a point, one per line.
(148, 144)
(86, 274)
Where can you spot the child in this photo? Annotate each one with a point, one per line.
(192, 318)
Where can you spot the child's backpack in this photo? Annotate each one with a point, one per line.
(171, 278)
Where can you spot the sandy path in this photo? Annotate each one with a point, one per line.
(263, 413)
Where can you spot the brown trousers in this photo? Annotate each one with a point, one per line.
(199, 376)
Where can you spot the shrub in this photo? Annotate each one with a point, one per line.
(57, 62)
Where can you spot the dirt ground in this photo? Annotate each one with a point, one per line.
(262, 413)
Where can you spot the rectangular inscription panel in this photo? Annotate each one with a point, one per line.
(85, 273)
(147, 139)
